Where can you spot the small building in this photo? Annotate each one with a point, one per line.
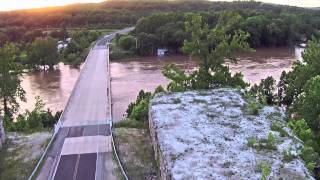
(61, 46)
(161, 51)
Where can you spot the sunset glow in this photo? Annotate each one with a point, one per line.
(7, 5)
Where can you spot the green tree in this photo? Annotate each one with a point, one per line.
(294, 81)
(10, 81)
(265, 91)
(180, 81)
(127, 42)
(212, 47)
(44, 53)
(255, 26)
(147, 43)
(308, 104)
(137, 110)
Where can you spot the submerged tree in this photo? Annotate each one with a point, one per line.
(10, 83)
(211, 47)
(44, 53)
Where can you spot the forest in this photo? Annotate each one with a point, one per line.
(166, 30)
(159, 24)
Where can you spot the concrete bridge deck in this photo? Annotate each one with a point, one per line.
(81, 148)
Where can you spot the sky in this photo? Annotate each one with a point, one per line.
(7, 5)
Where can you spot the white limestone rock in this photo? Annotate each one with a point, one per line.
(203, 135)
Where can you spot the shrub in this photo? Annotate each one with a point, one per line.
(253, 107)
(127, 42)
(140, 111)
(264, 92)
(131, 123)
(301, 129)
(251, 142)
(309, 155)
(34, 120)
(308, 104)
(159, 89)
(264, 169)
(142, 96)
(271, 141)
(288, 155)
(277, 127)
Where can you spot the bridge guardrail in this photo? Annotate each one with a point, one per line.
(110, 106)
(58, 125)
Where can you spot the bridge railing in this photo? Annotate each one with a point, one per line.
(59, 123)
(56, 127)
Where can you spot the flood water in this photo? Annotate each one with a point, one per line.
(128, 77)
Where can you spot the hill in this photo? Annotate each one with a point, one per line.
(122, 13)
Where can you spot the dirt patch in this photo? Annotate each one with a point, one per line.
(136, 153)
(20, 154)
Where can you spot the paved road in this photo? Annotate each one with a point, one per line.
(81, 149)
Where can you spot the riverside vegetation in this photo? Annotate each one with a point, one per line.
(26, 43)
(297, 90)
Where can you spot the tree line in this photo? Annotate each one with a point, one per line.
(41, 54)
(124, 13)
(167, 30)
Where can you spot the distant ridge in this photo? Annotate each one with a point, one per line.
(118, 14)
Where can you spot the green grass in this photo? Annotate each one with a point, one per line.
(16, 157)
(277, 127)
(136, 152)
(131, 123)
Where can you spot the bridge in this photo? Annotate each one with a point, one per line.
(80, 148)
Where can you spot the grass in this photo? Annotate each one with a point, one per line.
(118, 172)
(253, 107)
(136, 153)
(268, 143)
(265, 170)
(17, 158)
(288, 156)
(251, 142)
(200, 101)
(131, 123)
(277, 127)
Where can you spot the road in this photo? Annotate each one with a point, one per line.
(81, 148)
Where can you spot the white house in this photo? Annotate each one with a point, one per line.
(161, 51)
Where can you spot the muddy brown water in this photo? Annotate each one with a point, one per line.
(128, 77)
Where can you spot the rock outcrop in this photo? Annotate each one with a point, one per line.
(213, 135)
(2, 133)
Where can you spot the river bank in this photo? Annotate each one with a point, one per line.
(130, 76)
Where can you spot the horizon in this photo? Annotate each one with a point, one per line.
(12, 5)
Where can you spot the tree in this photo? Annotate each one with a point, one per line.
(255, 25)
(10, 81)
(30, 36)
(308, 104)
(61, 34)
(44, 53)
(265, 91)
(139, 109)
(127, 42)
(294, 81)
(147, 44)
(211, 47)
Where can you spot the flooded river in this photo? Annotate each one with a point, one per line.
(128, 77)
